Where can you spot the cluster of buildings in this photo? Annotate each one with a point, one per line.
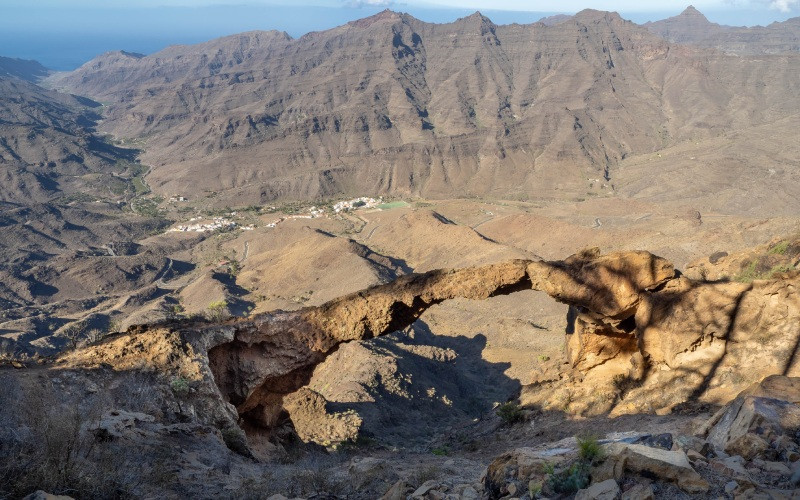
(363, 202)
(312, 215)
(224, 223)
(202, 227)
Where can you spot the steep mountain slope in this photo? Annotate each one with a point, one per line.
(24, 69)
(459, 109)
(48, 146)
(692, 27)
(63, 190)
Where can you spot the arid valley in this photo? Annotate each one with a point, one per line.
(398, 259)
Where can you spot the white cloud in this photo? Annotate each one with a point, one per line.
(371, 3)
(783, 5)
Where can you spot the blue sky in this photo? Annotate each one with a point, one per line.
(62, 34)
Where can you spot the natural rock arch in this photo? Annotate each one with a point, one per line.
(273, 356)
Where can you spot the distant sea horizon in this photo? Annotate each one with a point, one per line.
(63, 39)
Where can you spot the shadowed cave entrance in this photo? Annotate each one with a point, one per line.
(262, 369)
(406, 387)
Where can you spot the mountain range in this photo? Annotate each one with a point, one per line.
(49, 146)
(692, 27)
(23, 69)
(393, 105)
(599, 130)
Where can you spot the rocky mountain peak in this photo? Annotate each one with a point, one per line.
(384, 15)
(477, 17)
(693, 15)
(592, 15)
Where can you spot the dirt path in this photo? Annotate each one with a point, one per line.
(370, 233)
(483, 222)
(137, 197)
(159, 281)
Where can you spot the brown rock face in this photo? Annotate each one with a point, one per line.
(754, 423)
(273, 355)
(629, 312)
(604, 292)
(442, 109)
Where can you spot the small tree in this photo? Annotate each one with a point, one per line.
(217, 311)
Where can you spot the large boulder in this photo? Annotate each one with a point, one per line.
(664, 465)
(604, 490)
(314, 423)
(763, 419)
(517, 467)
(609, 286)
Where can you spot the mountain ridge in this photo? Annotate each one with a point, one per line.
(24, 69)
(692, 27)
(455, 109)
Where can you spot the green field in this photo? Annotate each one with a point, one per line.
(393, 204)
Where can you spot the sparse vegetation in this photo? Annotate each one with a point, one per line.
(510, 413)
(779, 248)
(570, 479)
(139, 186)
(180, 386)
(148, 206)
(575, 476)
(54, 453)
(234, 266)
(217, 311)
(589, 449)
(754, 271)
(176, 311)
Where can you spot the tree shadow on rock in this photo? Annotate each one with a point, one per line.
(434, 383)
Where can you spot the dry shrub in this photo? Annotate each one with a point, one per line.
(44, 446)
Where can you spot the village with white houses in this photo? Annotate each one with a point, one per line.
(205, 224)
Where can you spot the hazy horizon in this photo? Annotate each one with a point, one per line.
(64, 37)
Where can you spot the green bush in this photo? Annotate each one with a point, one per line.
(217, 311)
(780, 248)
(574, 477)
(751, 272)
(589, 449)
(179, 386)
(510, 413)
(569, 480)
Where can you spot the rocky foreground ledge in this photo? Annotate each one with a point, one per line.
(633, 320)
(641, 338)
(261, 365)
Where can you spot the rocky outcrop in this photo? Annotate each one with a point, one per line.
(664, 464)
(763, 421)
(606, 490)
(630, 312)
(273, 355)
